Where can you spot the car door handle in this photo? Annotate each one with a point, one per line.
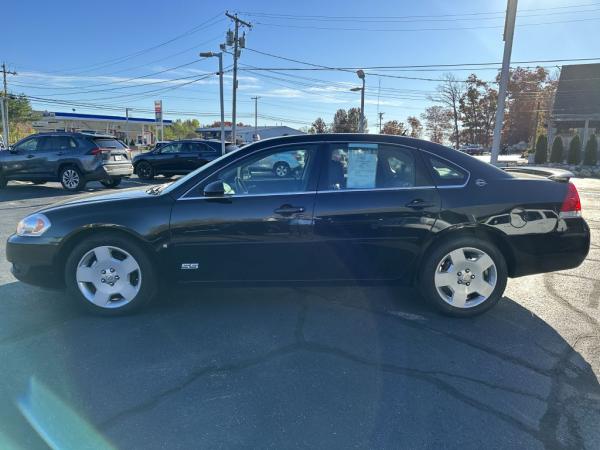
(30, 156)
(419, 203)
(287, 210)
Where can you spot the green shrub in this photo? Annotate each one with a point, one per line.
(591, 151)
(574, 156)
(556, 155)
(541, 150)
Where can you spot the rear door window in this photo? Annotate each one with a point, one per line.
(359, 165)
(59, 143)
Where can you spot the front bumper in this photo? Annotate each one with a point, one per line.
(34, 260)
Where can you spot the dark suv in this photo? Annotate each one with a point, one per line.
(71, 158)
(177, 157)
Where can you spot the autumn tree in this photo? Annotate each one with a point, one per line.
(393, 127)
(21, 117)
(182, 129)
(416, 128)
(437, 122)
(478, 111)
(526, 89)
(318, 127)
(449, 94)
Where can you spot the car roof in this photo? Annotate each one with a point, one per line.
(73, 133)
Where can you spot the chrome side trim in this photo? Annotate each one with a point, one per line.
(272, 194)
(411, 188)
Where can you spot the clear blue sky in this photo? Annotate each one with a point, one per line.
(63, 49)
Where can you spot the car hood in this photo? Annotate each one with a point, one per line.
(101, 197)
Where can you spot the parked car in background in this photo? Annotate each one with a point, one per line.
(281, 165)
(71, 158)
(472, 149)
(363, 207)
(175, 158)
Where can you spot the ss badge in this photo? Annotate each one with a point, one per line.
(189, 266)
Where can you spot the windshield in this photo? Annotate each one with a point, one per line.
(206, 168)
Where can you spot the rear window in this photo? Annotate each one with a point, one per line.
(108, 143)
(447, 174)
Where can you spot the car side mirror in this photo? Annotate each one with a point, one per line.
(215, 189)
(12, 150)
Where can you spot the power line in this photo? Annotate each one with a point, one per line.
(312, 27)
(85, 69)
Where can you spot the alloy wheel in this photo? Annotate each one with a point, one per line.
(70, 178)
(282, 170)
(466, 277)
(108, 277)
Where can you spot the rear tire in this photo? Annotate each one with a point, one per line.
(134, 276)
(111, 183)
(144, 170)
(463, 277)
(71, 178)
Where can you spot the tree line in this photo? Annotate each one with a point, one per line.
(464, 111)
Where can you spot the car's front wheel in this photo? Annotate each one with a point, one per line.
(144, 170)
(281, 169)
(71, 178)
(111, 182)
(463, 277)
(110, 274)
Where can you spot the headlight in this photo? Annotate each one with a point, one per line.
(34, 225)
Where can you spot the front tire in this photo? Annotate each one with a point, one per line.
(281, 169)
(111, 183)
(144, 170)
(463, 277)
(71, 178)
(110, 274)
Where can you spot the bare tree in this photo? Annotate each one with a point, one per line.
(449, 93)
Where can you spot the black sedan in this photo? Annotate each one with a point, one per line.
(176, 158)
(358, 207)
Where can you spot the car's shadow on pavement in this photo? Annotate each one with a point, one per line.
(322, 366)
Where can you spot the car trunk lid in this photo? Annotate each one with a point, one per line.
(111, 150)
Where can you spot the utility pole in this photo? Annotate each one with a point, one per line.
(509, 31)
(255, 116)
(380, 119)
(5, 104)
(237, 44)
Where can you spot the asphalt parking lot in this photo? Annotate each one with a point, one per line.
(288, 367)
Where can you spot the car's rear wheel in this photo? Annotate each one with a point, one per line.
(110, 275)
(463, 277)
(144, 170)
(281, 169)
(111, 182)
(71, 178)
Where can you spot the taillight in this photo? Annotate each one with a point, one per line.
(95, 151)
(571, 206)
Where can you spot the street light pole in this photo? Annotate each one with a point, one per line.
(361, 126)
(221, 99)
(509, 31)
(127, 127)
(255, 116)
